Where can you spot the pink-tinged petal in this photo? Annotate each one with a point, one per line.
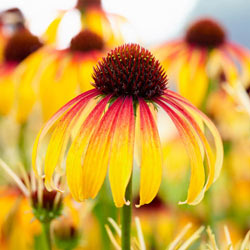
(213, 130)
(47, 126)
(122, 150)
(239, 52)
(61, 135)
(241, 57)
(78, 148)
(197, 178)
(151, 155)
(97, 155)
(190, 117)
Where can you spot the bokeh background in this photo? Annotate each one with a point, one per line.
(152, 23)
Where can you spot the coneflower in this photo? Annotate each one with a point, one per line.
(108, 125)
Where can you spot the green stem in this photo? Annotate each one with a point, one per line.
(126, 218)
(46, 235)
(22, 145)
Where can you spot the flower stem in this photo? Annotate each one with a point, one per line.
(46, 235)
(22, 146)
(126, 218)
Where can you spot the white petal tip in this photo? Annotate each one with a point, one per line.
(182, 202)
(127, 203)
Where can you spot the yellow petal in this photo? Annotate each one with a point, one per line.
(58, 84)
(97, 156)
(60, 138)
(151, 155)
(193, 81)
(50, 35)
(122, 149)
(7, 93)
(78, 148)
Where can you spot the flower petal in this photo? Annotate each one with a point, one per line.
(60, 137)
(78, 148)
(97, 156)
(214, 159)
(151, 155)
(43, 131)
(219, 152)
(54, 87)
(50, 35)
(122, 149)
(228, 66)
(193, 81)
(197, 178)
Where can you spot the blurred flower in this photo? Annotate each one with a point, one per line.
(231, 120)
(16, 50)
(108, 122)
(93, 17)
(204, 54)
(45, 205)
(58, 74)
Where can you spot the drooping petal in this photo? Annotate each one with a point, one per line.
(60, 137)
(213, 130)
(122, 149)
(197, 178)
(151, 155)
(97, 155)
(193, 81)
(214, 159)
(196, 130)
(51, 122)
(78, 148)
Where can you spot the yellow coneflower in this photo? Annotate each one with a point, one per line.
(18, 47)
(204, 53)
(128, 81)
(108, 123)
(92, 17)
(59, 75)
